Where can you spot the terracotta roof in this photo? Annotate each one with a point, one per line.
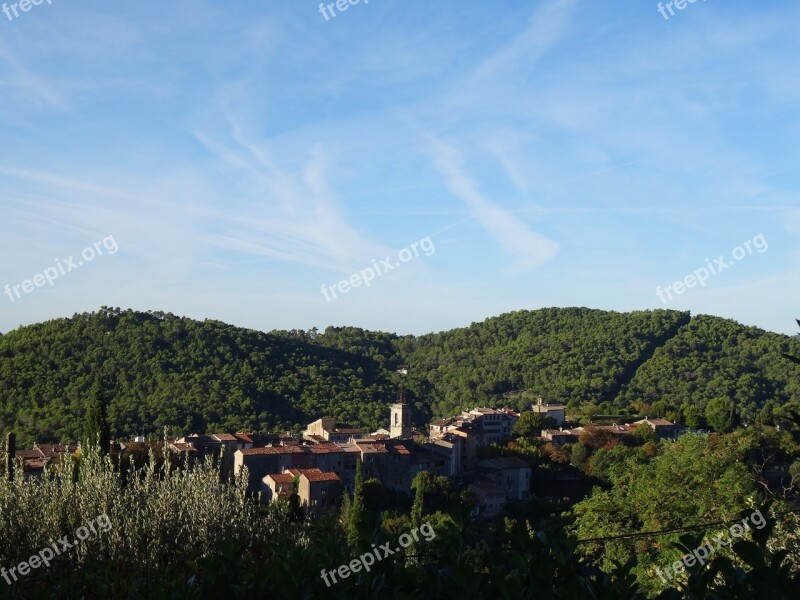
(398, 449)
(272, 450)
(28, 454)
(327, 448)
(183, 447)
(244, 437)
(225, 437)
(315, 475)
(372, 447)
(51, 450)
(281, 477)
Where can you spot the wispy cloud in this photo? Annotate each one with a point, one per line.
(528, 248)
(544, 30)
(27, 83)
(296, 218)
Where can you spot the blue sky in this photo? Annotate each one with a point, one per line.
(244, 154)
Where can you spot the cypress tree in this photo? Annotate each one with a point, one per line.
(11, 452)
(421, 482)
(96, 430)
(355, 513)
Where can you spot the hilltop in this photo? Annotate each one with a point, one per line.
(192, 375)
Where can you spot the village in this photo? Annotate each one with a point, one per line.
(319, 464)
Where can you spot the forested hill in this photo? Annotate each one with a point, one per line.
(159, 369)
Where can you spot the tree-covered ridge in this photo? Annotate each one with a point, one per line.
(160, 369)
(716, 358)
(570, 355)
(166, 370)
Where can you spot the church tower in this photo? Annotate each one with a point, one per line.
(400, 418)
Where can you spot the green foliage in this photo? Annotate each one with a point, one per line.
(161, 370)
(693, 480)
(356, 510)
(181, 534)
(716, 358)
(560, 354)
(191, 375)
(531, 424)
(721, 414)
(96, 431)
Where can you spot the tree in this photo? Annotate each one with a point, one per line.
(96, 430)
(530, 424)
(421, 482)
(721, 414)
(376, 497)
(578, 455)
(643, 433)
(692, 415)
(355, 512)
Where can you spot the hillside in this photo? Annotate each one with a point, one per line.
(713, 358)
(166, 370)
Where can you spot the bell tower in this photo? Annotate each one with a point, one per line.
(400, 418)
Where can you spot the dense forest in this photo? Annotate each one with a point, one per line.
(163, 370)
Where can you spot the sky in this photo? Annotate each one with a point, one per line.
(399, 166)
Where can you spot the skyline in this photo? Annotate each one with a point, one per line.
(558, 153)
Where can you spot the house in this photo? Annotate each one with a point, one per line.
(449, 446)
(328, 429)
(559, 437)
(492, 425)
(442, 426)
(263, 461)
(35, 460)
(319, 491)
(425, 458)
(557, 412)
(486, 425)
(185, 453)
(276, 486)
(489, 498)
(511, 474)
(665, 430)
